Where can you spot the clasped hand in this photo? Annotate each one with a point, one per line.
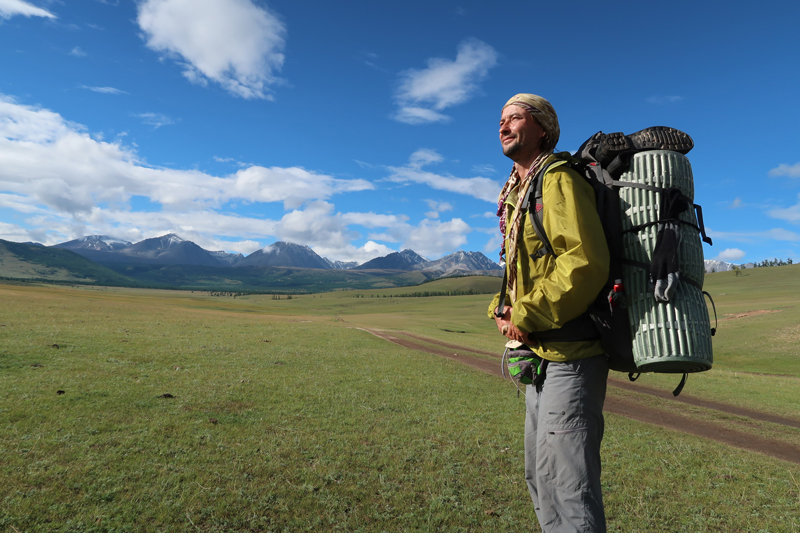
(508, 329)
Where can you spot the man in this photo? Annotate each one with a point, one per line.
(546, 292)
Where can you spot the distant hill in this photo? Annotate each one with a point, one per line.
(712, 265)
(462, 263)
(266, 278)
(227, 258)
(165, 250)
(99, 243)
(170, 261)
(457, 263)
(286, 254)
(37, 262)
(341, 265)
(405, 260)
(171, 250)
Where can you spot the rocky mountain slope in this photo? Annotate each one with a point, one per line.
(171, 249)
(285, 254)
(405, 260)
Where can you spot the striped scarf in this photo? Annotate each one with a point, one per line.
(510, 254)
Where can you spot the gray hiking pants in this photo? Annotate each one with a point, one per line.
(563, 431)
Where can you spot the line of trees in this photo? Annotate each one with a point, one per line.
(423, 294)
(275, 296)
(772, 263)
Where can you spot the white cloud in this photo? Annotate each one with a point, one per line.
(330, 235)
(55, 163)
(436, 208)
(423, 157)
(433, 238)
(730, 254)
(423, 94)
(481, 188)
(16, 233)
(736, 204)
(315, 226)
(235, 43)
(77, 52)
(789, 214)
(155, 119)
(204, 227)
(20, 203)
(664, 100)
(293, 185)
(483, 169)
(776, 234)
(103, 90)
(439, 206)
(359, 254)
(373, 220)
(493, 244)
(419, 115)
(790, 171)
(68, 184)
(9, 8)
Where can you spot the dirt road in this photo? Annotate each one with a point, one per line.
(672, 416)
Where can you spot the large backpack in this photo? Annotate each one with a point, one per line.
(609, 317)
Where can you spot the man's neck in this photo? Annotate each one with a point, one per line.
(523, 165)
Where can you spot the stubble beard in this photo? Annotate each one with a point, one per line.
(511, 149)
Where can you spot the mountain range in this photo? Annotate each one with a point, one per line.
(714, 265)
(171, 249)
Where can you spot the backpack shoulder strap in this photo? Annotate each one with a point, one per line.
(538, 210)
(538, 227)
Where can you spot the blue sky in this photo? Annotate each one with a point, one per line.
(360, 128)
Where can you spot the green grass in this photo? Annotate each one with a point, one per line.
(324, 427)
(768, 342)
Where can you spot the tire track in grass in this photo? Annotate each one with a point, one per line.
(490, 367)
(685, 424)
(664, 395)
(706, 404)
(631, 409)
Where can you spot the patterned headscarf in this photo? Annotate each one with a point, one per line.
(545, 115)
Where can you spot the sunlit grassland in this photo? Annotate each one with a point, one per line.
(287, 418)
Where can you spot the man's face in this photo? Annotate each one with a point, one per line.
(520, 133)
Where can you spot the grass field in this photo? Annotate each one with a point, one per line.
(182, 411)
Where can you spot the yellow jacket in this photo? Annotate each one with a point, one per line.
(553, 290)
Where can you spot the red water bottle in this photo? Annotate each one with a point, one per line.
(617, 296)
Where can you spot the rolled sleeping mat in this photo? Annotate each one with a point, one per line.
(673, 336)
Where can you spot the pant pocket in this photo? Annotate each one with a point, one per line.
(566, 431)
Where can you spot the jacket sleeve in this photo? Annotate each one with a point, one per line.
(493, 305)
(570, 281)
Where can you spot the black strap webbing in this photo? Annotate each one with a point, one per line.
(524, 206)
(716, 322)
(679, 388)
(662, 221)
(646, 266)
(700, 223)
(502, 303)
(698, 209)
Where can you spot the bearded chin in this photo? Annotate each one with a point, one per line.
(511, 149)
